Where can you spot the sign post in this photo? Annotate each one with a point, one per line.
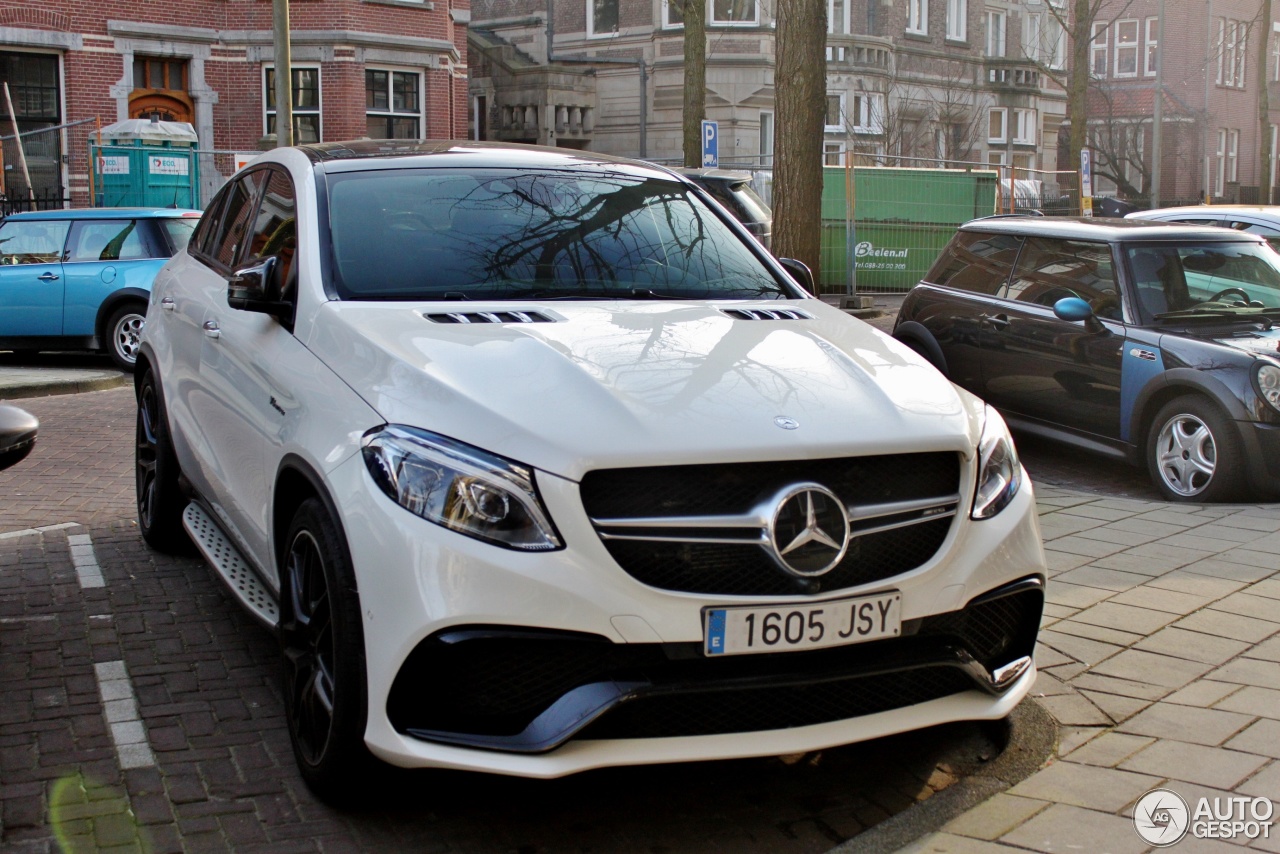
(710, 144)
(1086, 182)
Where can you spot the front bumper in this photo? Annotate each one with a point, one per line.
(1262, 445)
(423, 588)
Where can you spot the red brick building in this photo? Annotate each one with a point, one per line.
(375, 68)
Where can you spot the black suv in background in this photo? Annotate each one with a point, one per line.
(733, 190)
(1149, 342)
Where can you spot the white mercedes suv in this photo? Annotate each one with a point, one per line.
(535, 462)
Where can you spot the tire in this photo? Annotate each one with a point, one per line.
(124, 334)
(159, 496)
(322, 650)
(1193, 452)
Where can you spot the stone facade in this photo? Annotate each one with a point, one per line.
(907, 83)
(206, 61)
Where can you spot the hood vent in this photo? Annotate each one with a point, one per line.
(765, 314)
(489, 317)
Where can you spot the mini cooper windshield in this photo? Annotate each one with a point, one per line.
(1212, 280)
(435, 234)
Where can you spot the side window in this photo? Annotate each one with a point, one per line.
(228, 245)
(202, 240)
(106, 240)
(976, 262)
(1268, 232)
(275, 228)
(32, 241)
(1050, 269)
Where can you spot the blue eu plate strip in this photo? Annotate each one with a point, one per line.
(715, 632)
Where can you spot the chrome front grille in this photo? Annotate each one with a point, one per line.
(709, 529)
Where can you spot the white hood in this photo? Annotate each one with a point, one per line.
(614, 384)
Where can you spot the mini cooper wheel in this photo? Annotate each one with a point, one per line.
(322, 646)
(124, 335)
(1193, 452)
(159, 496)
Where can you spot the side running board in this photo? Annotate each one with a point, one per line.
(232, 569)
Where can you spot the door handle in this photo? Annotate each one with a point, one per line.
(167, 303)
(999, 321)
(211, 329)
(47, 277)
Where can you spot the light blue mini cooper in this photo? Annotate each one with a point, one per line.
(76, 279)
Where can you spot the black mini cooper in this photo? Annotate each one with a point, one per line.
(1150, 342)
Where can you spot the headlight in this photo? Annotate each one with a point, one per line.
(1266, 379)
(999, 474)
(459, 487)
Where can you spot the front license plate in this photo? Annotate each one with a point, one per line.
(782, 628)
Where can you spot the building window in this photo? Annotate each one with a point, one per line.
(739, 12)
(838, 16)
(833, 153)
(392, 107)
(160, 90)
(306, 103)
(995, 32)
(1275, 60)
(766, 140)
(918, 17)
(1032, 41)
(1024, 127)
(1233, 149)
(1221, 158)
(602, 17)
(1233, 43)
(1152, 53)
(35, 87)
(868, 110)
(1126, 62)
(958, 19)
(997, 120)
(1098, 51)
(833, 122)
(672, 14)
(995, 158)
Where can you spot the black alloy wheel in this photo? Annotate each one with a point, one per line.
(322, 649)
(159, 495)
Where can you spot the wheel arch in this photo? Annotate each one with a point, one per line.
(1174, 384)
(113, 301)
(296, 481)
(918, 337)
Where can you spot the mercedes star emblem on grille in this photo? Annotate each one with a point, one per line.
(809, 531)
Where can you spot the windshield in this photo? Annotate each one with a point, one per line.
(1211, 279)
(492, 234)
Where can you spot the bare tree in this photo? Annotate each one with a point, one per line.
(1264, 108)
(695, 76)
(800, 95)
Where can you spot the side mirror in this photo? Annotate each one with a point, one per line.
(257, 288)
(1072, 309)
(18, 430)
(799, 271)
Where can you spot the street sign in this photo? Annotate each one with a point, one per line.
(710, 143)
(1086, 182)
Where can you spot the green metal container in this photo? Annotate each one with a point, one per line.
(902, 219)
(146, 164)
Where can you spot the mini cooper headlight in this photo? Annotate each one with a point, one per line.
(459, 487)
(999, 473)
(1266, 379)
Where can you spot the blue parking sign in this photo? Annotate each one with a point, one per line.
(710, 143)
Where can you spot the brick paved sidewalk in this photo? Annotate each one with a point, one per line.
(1160, 659)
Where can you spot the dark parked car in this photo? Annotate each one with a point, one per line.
(80, 279)
(1149, 342)
(733, 190)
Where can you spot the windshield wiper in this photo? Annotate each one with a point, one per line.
(1254, 315)
(603, 293)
